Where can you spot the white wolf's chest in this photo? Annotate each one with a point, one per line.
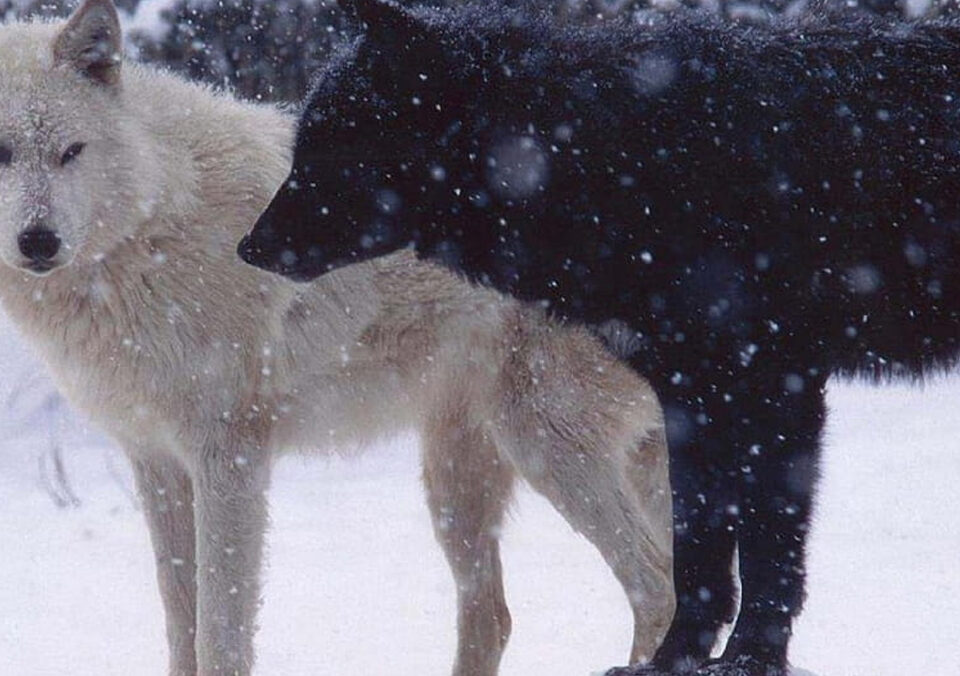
(139, 353)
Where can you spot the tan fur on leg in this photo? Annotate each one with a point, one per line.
(468, 488)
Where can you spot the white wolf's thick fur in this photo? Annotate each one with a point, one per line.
(203, 367)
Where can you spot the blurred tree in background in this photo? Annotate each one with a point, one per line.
(261, 49)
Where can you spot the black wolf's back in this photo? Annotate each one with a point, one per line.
(702, 181)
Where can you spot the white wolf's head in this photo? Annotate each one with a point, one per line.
(76, 170)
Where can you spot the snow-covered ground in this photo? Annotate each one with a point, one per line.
(356, 584)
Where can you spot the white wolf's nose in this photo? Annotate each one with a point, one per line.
(38, 244)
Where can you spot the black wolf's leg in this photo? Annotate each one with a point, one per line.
(705, 591)
(704, 539)
(746, 478)
(775, 506)
(776, 469)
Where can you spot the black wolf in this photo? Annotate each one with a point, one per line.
(741, 212)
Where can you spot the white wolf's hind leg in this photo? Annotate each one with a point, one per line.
(467, 490)
(619, 499)
(231, 515)
(167, 496)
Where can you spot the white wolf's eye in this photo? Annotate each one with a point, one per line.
(73, 152)
(6, 155)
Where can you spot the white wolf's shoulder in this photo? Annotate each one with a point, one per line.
(227, 142)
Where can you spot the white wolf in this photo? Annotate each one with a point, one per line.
(123, 193)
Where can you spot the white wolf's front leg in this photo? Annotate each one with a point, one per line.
(231, 515)
(166, 492)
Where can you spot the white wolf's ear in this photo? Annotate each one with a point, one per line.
(91, 41)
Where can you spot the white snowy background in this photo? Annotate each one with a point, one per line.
(356, 584)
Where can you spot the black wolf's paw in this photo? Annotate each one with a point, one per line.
(636, 671)
(743, 665)
(684, 666)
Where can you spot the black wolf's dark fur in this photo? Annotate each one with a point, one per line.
(762, 207)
